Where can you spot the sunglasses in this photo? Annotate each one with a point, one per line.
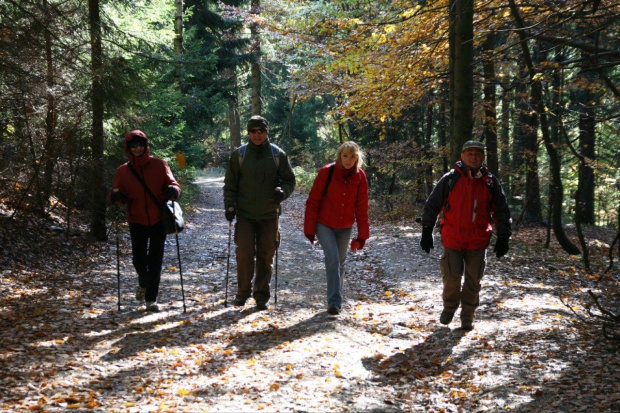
(257, 130)
(136, 144)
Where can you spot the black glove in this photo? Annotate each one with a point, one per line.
(278, 195)
(230, 213)
(172, 193)
(501, 247)
(116, 197)
(310, 238)
(427, 239)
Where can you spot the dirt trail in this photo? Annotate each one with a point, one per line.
(385, 352)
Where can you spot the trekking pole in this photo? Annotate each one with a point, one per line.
(278, 239)
(118, 259)
(176, 236)
(228, 262)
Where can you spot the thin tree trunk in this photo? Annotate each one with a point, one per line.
(441, 130)
(504, 141)
(557, 83)
(98, 206)
(233, 109)
(49, 152)
(255, 73)
(428, 173)
(178, 39)
(521, 111)
(584, 206)
(490, 102)
(554, 159)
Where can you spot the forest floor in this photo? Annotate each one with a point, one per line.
(66, 345)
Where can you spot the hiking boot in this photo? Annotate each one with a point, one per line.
(261, 306)
(467, 324)
(239, 301)
(140, 293)
(152, 306)
(333, 310)
(446, 317)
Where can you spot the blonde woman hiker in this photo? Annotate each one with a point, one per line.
(338, 199)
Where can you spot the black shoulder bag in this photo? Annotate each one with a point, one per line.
(171, 214)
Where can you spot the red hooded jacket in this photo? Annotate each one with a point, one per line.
(156, 174)
(469, 210)
(345, 202)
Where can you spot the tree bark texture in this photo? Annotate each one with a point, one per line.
(234, 122)
(98, 205)
(490, 102)
(463, 75)
(178, 39)
(255, 72)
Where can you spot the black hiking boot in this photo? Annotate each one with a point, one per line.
(333, 310)
(239, 301)
(467, 324)
(446, 317)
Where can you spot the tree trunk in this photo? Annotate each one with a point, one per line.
(554, 159)
(557, 85)
(504, 141)
(518, 165)
(234, 123)
(441, 130)
(51, 144)
(255, 74)
(178, 39)
(490, 102)
(98, 205)
(587, 139)
(533, 209)
(462, 75)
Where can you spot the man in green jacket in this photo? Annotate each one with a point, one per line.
(258, 178)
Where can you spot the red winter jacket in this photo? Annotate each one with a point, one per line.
(345, 202)
(156, 174)
(469, 210)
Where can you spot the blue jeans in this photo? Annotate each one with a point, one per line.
(335, 244)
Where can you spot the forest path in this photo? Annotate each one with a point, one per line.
(69, 347)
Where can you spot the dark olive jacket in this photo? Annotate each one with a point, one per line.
(249, 186)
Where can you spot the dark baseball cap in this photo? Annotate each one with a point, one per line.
(473, 144)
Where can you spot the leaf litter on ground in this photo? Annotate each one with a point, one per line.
(66, 346)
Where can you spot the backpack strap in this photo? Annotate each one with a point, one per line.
(453, 176)
(329, 178)
(242, 149)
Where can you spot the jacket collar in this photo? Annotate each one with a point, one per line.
(466, 172)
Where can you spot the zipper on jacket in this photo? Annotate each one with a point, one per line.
(473, 216)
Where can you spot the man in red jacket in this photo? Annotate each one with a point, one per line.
(471, 199)
(143, 214)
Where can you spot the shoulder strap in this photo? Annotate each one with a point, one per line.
(275, 151)
(146, 188)
(453, 176)
(329, 178)
(242, 149)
